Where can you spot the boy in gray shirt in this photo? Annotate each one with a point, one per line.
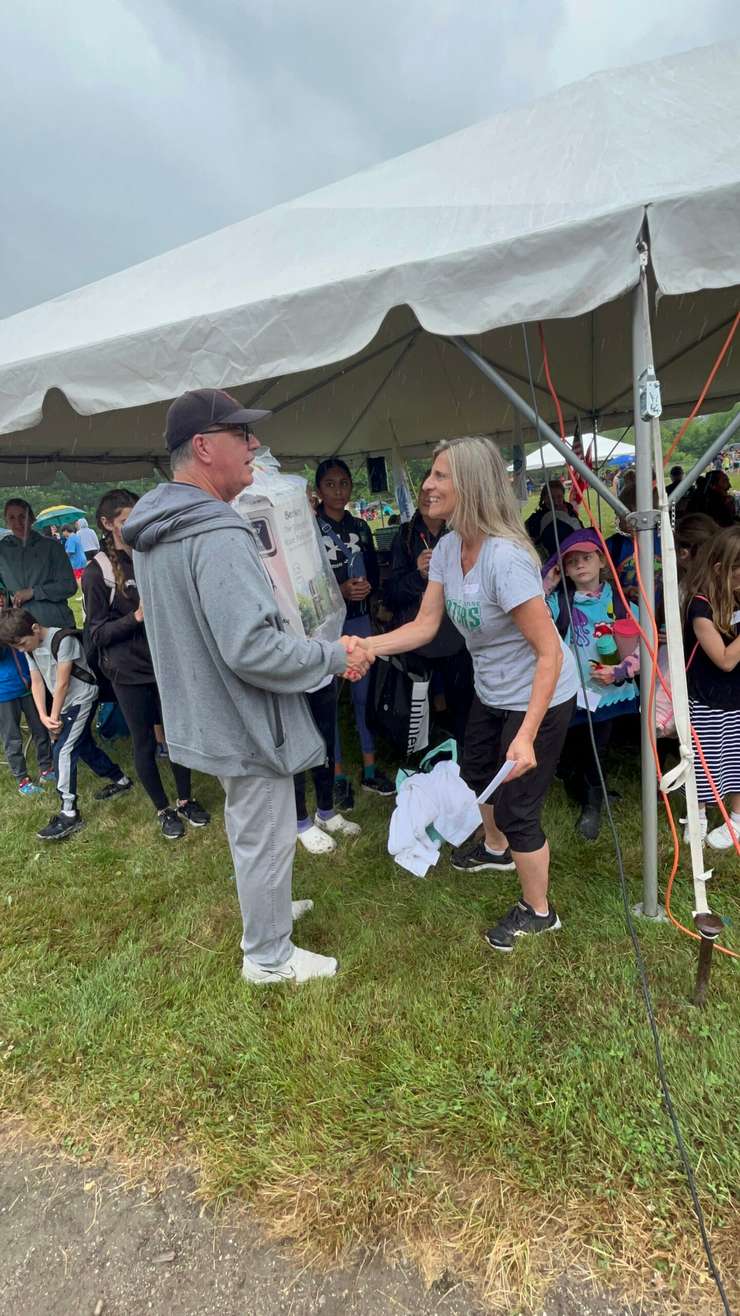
(57, 664)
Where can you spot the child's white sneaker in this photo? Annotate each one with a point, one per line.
(301, 967)
(702, 829)
(338, 825)
(316, 841)
(721, 838)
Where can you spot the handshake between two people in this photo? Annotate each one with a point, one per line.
(360, 656)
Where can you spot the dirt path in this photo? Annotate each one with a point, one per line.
(74, 1241)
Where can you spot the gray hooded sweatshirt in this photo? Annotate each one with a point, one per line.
(230, 676)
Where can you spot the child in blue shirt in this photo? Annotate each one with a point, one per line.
(16, 701)
(611, 690)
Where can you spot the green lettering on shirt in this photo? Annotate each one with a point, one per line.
(466, 615)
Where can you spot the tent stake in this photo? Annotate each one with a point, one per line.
(709, 927)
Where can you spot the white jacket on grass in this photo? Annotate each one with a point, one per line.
(437, 800)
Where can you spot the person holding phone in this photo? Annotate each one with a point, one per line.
(486, 575)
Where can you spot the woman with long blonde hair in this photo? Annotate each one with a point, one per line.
(486, 575)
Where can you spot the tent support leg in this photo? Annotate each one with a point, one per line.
(642, 359)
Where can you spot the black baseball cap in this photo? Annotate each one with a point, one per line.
(204, 409)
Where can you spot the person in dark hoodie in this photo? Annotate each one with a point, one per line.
(451, 685)
(114, 624)
(35, 570)
(231, 678)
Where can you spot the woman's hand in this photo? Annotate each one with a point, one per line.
(22, 596)
(521, 751)
(359, 658)
(139, 614)
(422, 563)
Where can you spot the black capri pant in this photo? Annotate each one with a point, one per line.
(517, 804)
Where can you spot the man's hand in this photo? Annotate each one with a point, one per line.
(359, 660)
(22, 596)
(422, 563)
(521, 750)
(355, 589)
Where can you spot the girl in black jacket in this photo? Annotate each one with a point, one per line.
(114, 623)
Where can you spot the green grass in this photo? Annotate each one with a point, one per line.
(498, 1115)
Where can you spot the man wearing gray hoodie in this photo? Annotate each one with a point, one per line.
(231, 678)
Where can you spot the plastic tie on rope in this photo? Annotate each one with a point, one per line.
(676, 777)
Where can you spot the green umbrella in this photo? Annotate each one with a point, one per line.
(61, 515)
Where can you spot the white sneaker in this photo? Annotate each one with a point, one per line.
(300, 907)
(702, 829)
(301, 967)
(338, 825)
(316, 841)
(721, 838)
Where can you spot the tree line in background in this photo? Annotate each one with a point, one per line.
(697, 439)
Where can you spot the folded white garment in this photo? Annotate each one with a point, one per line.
(431, 807)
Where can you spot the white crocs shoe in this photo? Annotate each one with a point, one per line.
(721, 838)
(300, 907)
(338, 825)
(301, 967)
(316, 841)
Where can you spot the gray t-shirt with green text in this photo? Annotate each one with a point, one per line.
(479, 604)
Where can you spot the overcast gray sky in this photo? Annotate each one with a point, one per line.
(131, 126)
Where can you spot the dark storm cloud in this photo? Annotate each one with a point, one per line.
(130, 127)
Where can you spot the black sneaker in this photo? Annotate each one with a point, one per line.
(115, 788)
(518, 923)
(194, 813)
(480, 858)
(379, 784)
(344, 794)
(61, 825)
(172, 827)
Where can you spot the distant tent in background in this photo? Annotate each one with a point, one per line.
(606, 452)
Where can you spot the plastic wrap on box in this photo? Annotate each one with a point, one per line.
(277, 507)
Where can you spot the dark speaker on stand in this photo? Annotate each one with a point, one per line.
(377, 475)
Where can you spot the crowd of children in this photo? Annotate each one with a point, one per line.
(53, 675)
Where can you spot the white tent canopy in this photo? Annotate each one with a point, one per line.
(532, 215)
(604, 451)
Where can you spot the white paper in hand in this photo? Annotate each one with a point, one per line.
(501, 776)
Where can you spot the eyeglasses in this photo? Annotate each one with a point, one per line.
(240, 431)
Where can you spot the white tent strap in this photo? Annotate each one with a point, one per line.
(684, 774)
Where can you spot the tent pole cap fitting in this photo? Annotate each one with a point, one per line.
(708, 926)
(659, 916)
(644, 520)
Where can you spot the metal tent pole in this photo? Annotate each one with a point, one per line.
(645, 520)
(546, 433)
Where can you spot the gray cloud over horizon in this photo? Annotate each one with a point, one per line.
(132, 126)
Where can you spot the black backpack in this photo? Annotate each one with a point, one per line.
(69, 632)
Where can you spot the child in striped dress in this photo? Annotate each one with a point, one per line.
(712, 644)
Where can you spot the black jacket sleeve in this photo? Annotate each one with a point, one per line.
(405, 585)
(369, 554)
(104, 622)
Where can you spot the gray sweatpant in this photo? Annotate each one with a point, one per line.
(12, 736)
(261, 826)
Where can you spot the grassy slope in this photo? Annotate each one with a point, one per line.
(497, 1113)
